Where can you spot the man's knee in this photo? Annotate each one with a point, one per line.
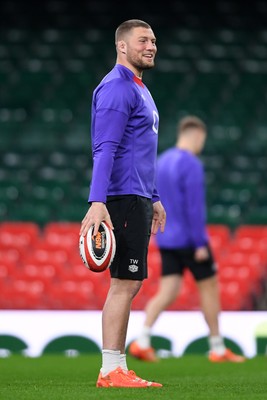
(126, 286)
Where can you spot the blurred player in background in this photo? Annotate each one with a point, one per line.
(185, 243)
(123, 188)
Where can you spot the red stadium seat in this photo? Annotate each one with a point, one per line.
(17, 239)
(62, 228)
(250, 247)
(72, 295)
(18, 234)
(220, 231)
(13, 254)
(23, 295)
(62, 235)
(233, 298)
(44, 254)
(77, 271)
(46, 273)
(239, 258)
(242, 268)
(7, 269)
(241, 275)
(220, 237)
(252, 238)
(251, 231)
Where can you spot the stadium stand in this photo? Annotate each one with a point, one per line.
(42, 269)
(212, 61)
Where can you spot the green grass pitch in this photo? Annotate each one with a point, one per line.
(56, 377)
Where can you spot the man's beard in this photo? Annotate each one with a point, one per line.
(141, 66)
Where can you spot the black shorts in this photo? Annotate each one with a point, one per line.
(176, 261)
(131, 216)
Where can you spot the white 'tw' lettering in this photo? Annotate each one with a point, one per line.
(133, 261)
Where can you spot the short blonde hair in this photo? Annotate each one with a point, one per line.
(189, 122)
(126, 26)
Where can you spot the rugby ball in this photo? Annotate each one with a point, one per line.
(97, 252)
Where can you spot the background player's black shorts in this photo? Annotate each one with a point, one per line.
(175, 261)
(131, 216)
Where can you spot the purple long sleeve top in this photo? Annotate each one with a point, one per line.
(181, 186)
(124, 133)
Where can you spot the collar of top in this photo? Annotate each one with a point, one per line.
(138, 81)
(130, 73)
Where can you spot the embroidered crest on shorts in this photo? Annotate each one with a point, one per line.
(133, 268)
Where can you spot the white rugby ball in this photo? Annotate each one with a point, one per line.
(97, 252)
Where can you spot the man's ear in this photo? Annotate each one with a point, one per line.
(121, 46)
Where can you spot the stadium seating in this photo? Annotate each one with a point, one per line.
(18, 234)
(40, 268)
(212, 64)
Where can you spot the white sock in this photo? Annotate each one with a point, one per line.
(123, 363)
(216, 344)
(144, 338)
(110, 361)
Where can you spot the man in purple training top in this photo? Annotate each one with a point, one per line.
(184, 243)
(123, 188)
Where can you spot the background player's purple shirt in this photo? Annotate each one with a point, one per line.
(181, 186)
(124, 135)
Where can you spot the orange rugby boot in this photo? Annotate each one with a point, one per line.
(147, 354)
(227, 356)
(118, 378)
